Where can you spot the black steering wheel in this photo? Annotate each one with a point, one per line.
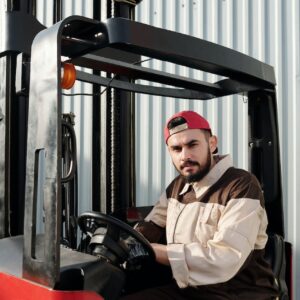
(115, 241)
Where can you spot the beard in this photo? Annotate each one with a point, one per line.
(202, 169)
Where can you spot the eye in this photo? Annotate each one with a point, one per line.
(193, 145)
(176, 149)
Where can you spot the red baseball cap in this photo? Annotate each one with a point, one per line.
(193, 121)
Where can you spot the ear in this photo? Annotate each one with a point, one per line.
(213, 143)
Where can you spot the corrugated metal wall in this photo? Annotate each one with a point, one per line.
(265, 29)
(227, 116)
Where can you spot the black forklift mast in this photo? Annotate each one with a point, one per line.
(18, 28)
(117, 111)
(113, 130)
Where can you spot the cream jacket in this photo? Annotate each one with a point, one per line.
(208, 242)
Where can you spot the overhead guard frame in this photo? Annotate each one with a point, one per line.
(82, 40)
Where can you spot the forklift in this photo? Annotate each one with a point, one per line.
(87, 256)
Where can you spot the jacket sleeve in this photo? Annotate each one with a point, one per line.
(153, 227)
(158, 214)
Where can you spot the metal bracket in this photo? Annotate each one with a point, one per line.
(131, 2)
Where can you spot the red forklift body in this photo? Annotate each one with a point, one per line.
(15, 288)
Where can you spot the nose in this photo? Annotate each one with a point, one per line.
(185, 154)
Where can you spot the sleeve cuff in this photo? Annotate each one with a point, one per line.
(178, 264)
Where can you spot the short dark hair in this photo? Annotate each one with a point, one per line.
(180, 120)
(175, 122)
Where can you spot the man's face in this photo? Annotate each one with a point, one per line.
(191, 153)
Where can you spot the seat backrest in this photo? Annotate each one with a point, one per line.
(275, 255)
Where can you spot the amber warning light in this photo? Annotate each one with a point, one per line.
(68, 76)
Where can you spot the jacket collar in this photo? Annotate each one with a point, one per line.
(223, 163)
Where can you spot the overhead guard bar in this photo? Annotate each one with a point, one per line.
(167, 46)
(189, 88)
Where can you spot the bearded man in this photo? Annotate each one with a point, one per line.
(214, 222)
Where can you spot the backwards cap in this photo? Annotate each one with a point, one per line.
(193, 121)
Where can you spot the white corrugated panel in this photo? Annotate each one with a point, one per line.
(227, 116)
(265, 29)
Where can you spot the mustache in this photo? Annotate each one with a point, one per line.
(189, 163)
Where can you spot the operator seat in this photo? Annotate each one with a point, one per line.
(275, 255)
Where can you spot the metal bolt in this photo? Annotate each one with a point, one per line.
(251, 144)
(270, 143)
